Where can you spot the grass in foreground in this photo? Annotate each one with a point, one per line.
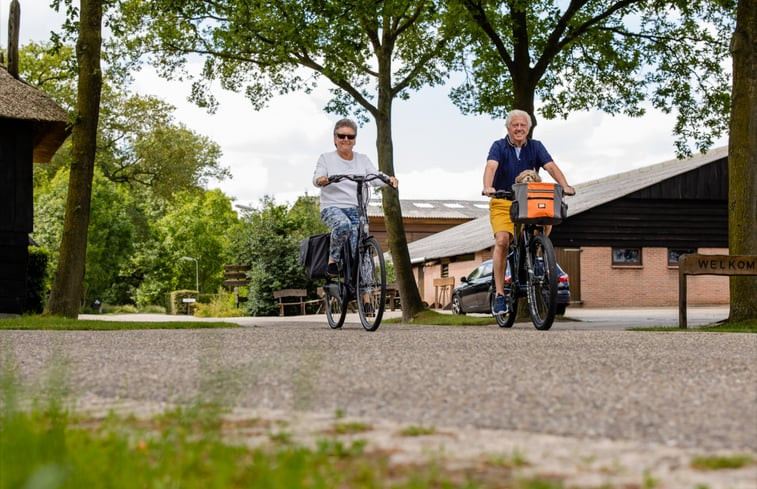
(64, 324)
(187, 448)
(749, 326)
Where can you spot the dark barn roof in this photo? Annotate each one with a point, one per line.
(674, 203)
(21, 101)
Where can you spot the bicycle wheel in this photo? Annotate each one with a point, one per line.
(371, 284)
(542, 283)
(335, 298)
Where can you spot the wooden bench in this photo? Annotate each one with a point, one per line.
(298, 298)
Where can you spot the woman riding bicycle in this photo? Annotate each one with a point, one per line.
(338, 207)
(507, 158)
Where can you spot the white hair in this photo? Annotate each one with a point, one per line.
(518, 113)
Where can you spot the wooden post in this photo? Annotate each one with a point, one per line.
(710, 265)
(14, 23)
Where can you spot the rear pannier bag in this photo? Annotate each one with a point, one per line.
(538, 203)
(314, 255)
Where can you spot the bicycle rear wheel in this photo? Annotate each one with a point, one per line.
(542, 283)
(335, 299)
(371, 284)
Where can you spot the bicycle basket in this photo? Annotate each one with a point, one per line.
(314, 255)
(538, 203)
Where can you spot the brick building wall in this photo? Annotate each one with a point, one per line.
(654, 283)
(456, 269)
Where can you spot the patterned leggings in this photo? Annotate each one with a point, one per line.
(343, 224)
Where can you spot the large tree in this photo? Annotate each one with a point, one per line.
(139, 142)
(372, 52)
(557, 57)
(616, 56)
(742, 158)
(66, 293)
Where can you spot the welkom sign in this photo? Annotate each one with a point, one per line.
(709, 265)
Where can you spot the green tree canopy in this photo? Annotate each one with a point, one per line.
(560, 57)
(372, 53)
(139, 142)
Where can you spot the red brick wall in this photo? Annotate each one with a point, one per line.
(652, 284)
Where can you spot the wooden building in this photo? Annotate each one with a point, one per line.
(621, 241)
(32, 128)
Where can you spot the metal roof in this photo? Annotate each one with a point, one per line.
(476, 235)
(435, 209)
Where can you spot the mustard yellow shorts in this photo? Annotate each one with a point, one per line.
(499, 215)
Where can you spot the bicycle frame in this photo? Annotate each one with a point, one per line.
(530, 243)
(355, 282)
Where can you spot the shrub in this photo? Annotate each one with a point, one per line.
(37, 279)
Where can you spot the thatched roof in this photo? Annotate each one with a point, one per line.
(21, 101)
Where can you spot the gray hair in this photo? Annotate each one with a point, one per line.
(345, 123)
(518, 113)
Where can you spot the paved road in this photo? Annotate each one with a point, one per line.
(577, 318)
(690, 390)
(586, 402)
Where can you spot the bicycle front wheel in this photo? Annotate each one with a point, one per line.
(542, 283)
(335, 299)
(371, 284)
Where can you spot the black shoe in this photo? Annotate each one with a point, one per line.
(368, 309)
(332, 270)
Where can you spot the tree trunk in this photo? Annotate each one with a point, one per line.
(66, 294)
(403, 268)
(742, 158)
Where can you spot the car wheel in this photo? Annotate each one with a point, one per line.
(457, 307)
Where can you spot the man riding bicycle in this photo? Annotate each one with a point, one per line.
(508, 157)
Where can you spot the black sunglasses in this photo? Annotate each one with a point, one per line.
(348, 136)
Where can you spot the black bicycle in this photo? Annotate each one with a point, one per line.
(362, 275)
(533, 274)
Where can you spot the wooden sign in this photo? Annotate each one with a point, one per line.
(710, 265)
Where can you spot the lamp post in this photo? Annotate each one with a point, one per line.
(197, 271)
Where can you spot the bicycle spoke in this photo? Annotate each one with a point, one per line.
(335, 300)
(542, 283)
(371, 285)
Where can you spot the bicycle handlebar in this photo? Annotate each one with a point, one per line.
(361, 178)
(500, 194)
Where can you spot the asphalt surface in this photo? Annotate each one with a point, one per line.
(586, 379)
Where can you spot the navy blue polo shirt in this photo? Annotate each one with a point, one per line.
(533, 156)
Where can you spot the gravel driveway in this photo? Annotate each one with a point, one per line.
(563, 397)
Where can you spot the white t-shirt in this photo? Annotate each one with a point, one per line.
(342, 194)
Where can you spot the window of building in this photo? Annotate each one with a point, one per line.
(445, 270)
(626, 257)
(674, 254)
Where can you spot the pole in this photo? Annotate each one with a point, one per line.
(197, 276)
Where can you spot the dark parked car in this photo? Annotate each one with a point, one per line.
(476, 291)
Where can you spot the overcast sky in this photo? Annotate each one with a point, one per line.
(438, 152)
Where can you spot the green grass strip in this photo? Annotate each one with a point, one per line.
(748, 326)
(64, 324)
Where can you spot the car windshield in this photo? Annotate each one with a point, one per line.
(481, 271)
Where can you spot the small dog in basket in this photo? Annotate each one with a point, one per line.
(528, 176)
